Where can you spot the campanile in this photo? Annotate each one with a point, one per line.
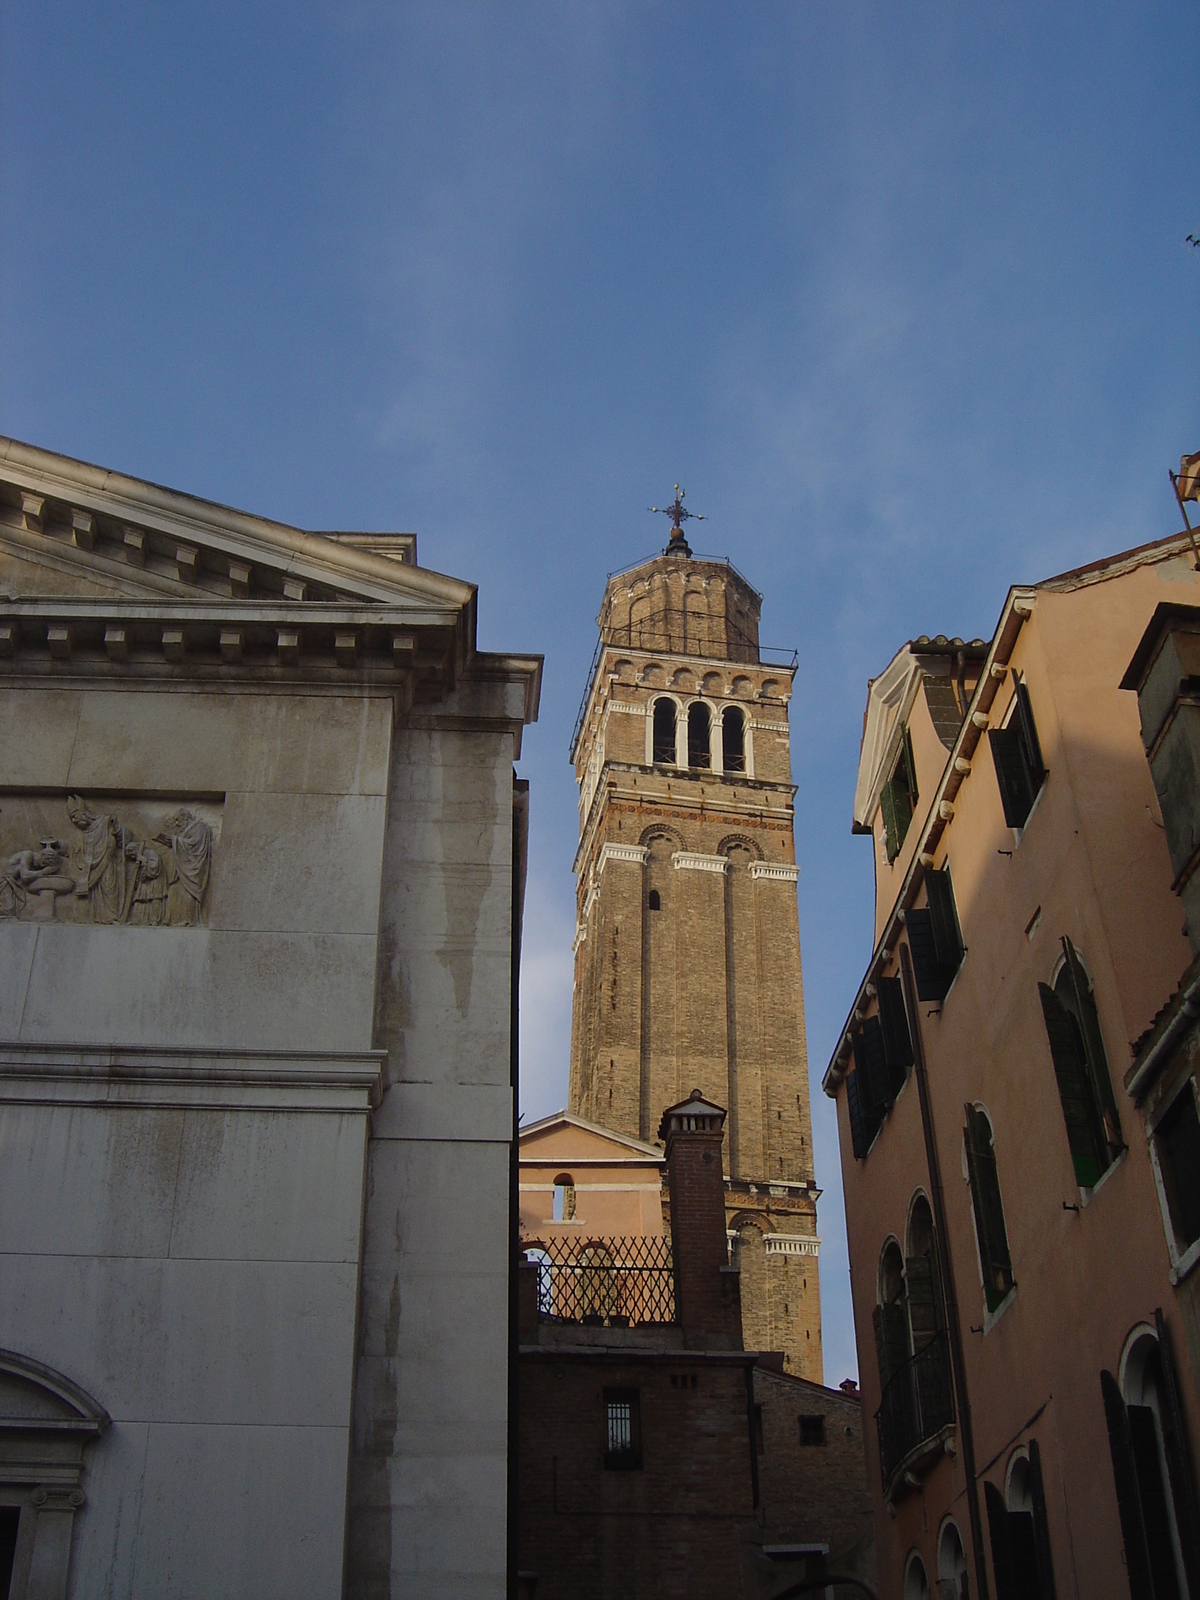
(687, 947)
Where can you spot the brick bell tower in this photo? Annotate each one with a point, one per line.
(687, 947)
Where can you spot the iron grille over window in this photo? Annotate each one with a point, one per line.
(623, 1424)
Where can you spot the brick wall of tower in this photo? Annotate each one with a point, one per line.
(704, 991)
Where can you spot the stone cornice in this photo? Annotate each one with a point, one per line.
(778, 870)
(635, 853)
(693, 861)
(182, 1078)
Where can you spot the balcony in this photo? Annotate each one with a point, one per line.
(610, 1282)
(916, 1415)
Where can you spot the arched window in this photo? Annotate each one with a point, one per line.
(916, 1584)
(699, 729)
(564, 1198)
(1149, 1467)
(733, 739)
(664, 733)
(897, 1408)
(990, 1232)
(1018, 1530)
(927, 1324)
(1081, 1069)
(654, 900)
(952, 1562)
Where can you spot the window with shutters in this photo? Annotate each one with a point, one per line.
(935, 937)
(664, 733)
(898, 798)
(1081, 1070)
(882, 1062)
(1017, 757)
(995, 1263)
(926, 1306)
(1175, 1148)
(699, 733)
(896, 1418)
(1156, 1499)
(1019, 1530)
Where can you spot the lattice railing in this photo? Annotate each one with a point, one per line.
(611, 1281)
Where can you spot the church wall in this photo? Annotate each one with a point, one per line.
(169, 1201)
(430, 1435)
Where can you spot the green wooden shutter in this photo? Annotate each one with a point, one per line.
(891, 829)
(1093, 1044)
(947, 936)
(897, 1042)
(1041, 1524)
(910, 771)
(1031, 747)
(1129, 1504)
(931, 977)
(926, 1322)
(989, 1210)
(1079, 1111)
(871, 1062)
(1179, 1466)
(1002, 1565)
(859, 1138)
(1011, 775)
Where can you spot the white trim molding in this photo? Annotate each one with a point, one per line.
(580, 936)
(621, 852)
(593, 895)
(778, 870)
(792, 1244)
(693, 861)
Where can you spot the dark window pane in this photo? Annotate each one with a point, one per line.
(1143, 1435)
(871, 1067)
(1178, 1140)
(733, 740)
(897, 1044)
(654, 900)
(989, 1210)
(698, 726)
(664, 732)
(812, 1430)
(10, 1518)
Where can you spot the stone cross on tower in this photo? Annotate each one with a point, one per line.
(678, 513)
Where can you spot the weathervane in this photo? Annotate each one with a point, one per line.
(678, 514)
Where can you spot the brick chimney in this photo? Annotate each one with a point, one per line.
(708, 1299)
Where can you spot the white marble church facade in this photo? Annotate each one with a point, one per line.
(260, 864)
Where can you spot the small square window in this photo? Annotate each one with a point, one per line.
(623, 1429)
(812, 1430)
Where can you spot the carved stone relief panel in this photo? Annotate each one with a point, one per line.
(106, 859)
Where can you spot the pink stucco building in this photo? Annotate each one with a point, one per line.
(1021, 1209)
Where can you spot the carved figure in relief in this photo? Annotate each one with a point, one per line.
(189, 840)
(122, 879)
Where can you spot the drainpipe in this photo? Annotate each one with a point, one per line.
(957, 1363)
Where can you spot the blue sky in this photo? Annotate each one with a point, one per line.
(899, 294)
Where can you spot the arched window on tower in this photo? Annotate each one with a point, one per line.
(699, 733)
(733, 739)
(564, 1198)
(664, 733)
(654, 900)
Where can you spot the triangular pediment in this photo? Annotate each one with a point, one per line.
(565, 1139)
(71, 529)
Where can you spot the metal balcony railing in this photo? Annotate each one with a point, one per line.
(918, 1402)
(612, 1281)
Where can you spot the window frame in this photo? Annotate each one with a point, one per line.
(1183, 1260)
(1024, 747)
(994, 1309)
(810, 1418)
(628, 1459)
